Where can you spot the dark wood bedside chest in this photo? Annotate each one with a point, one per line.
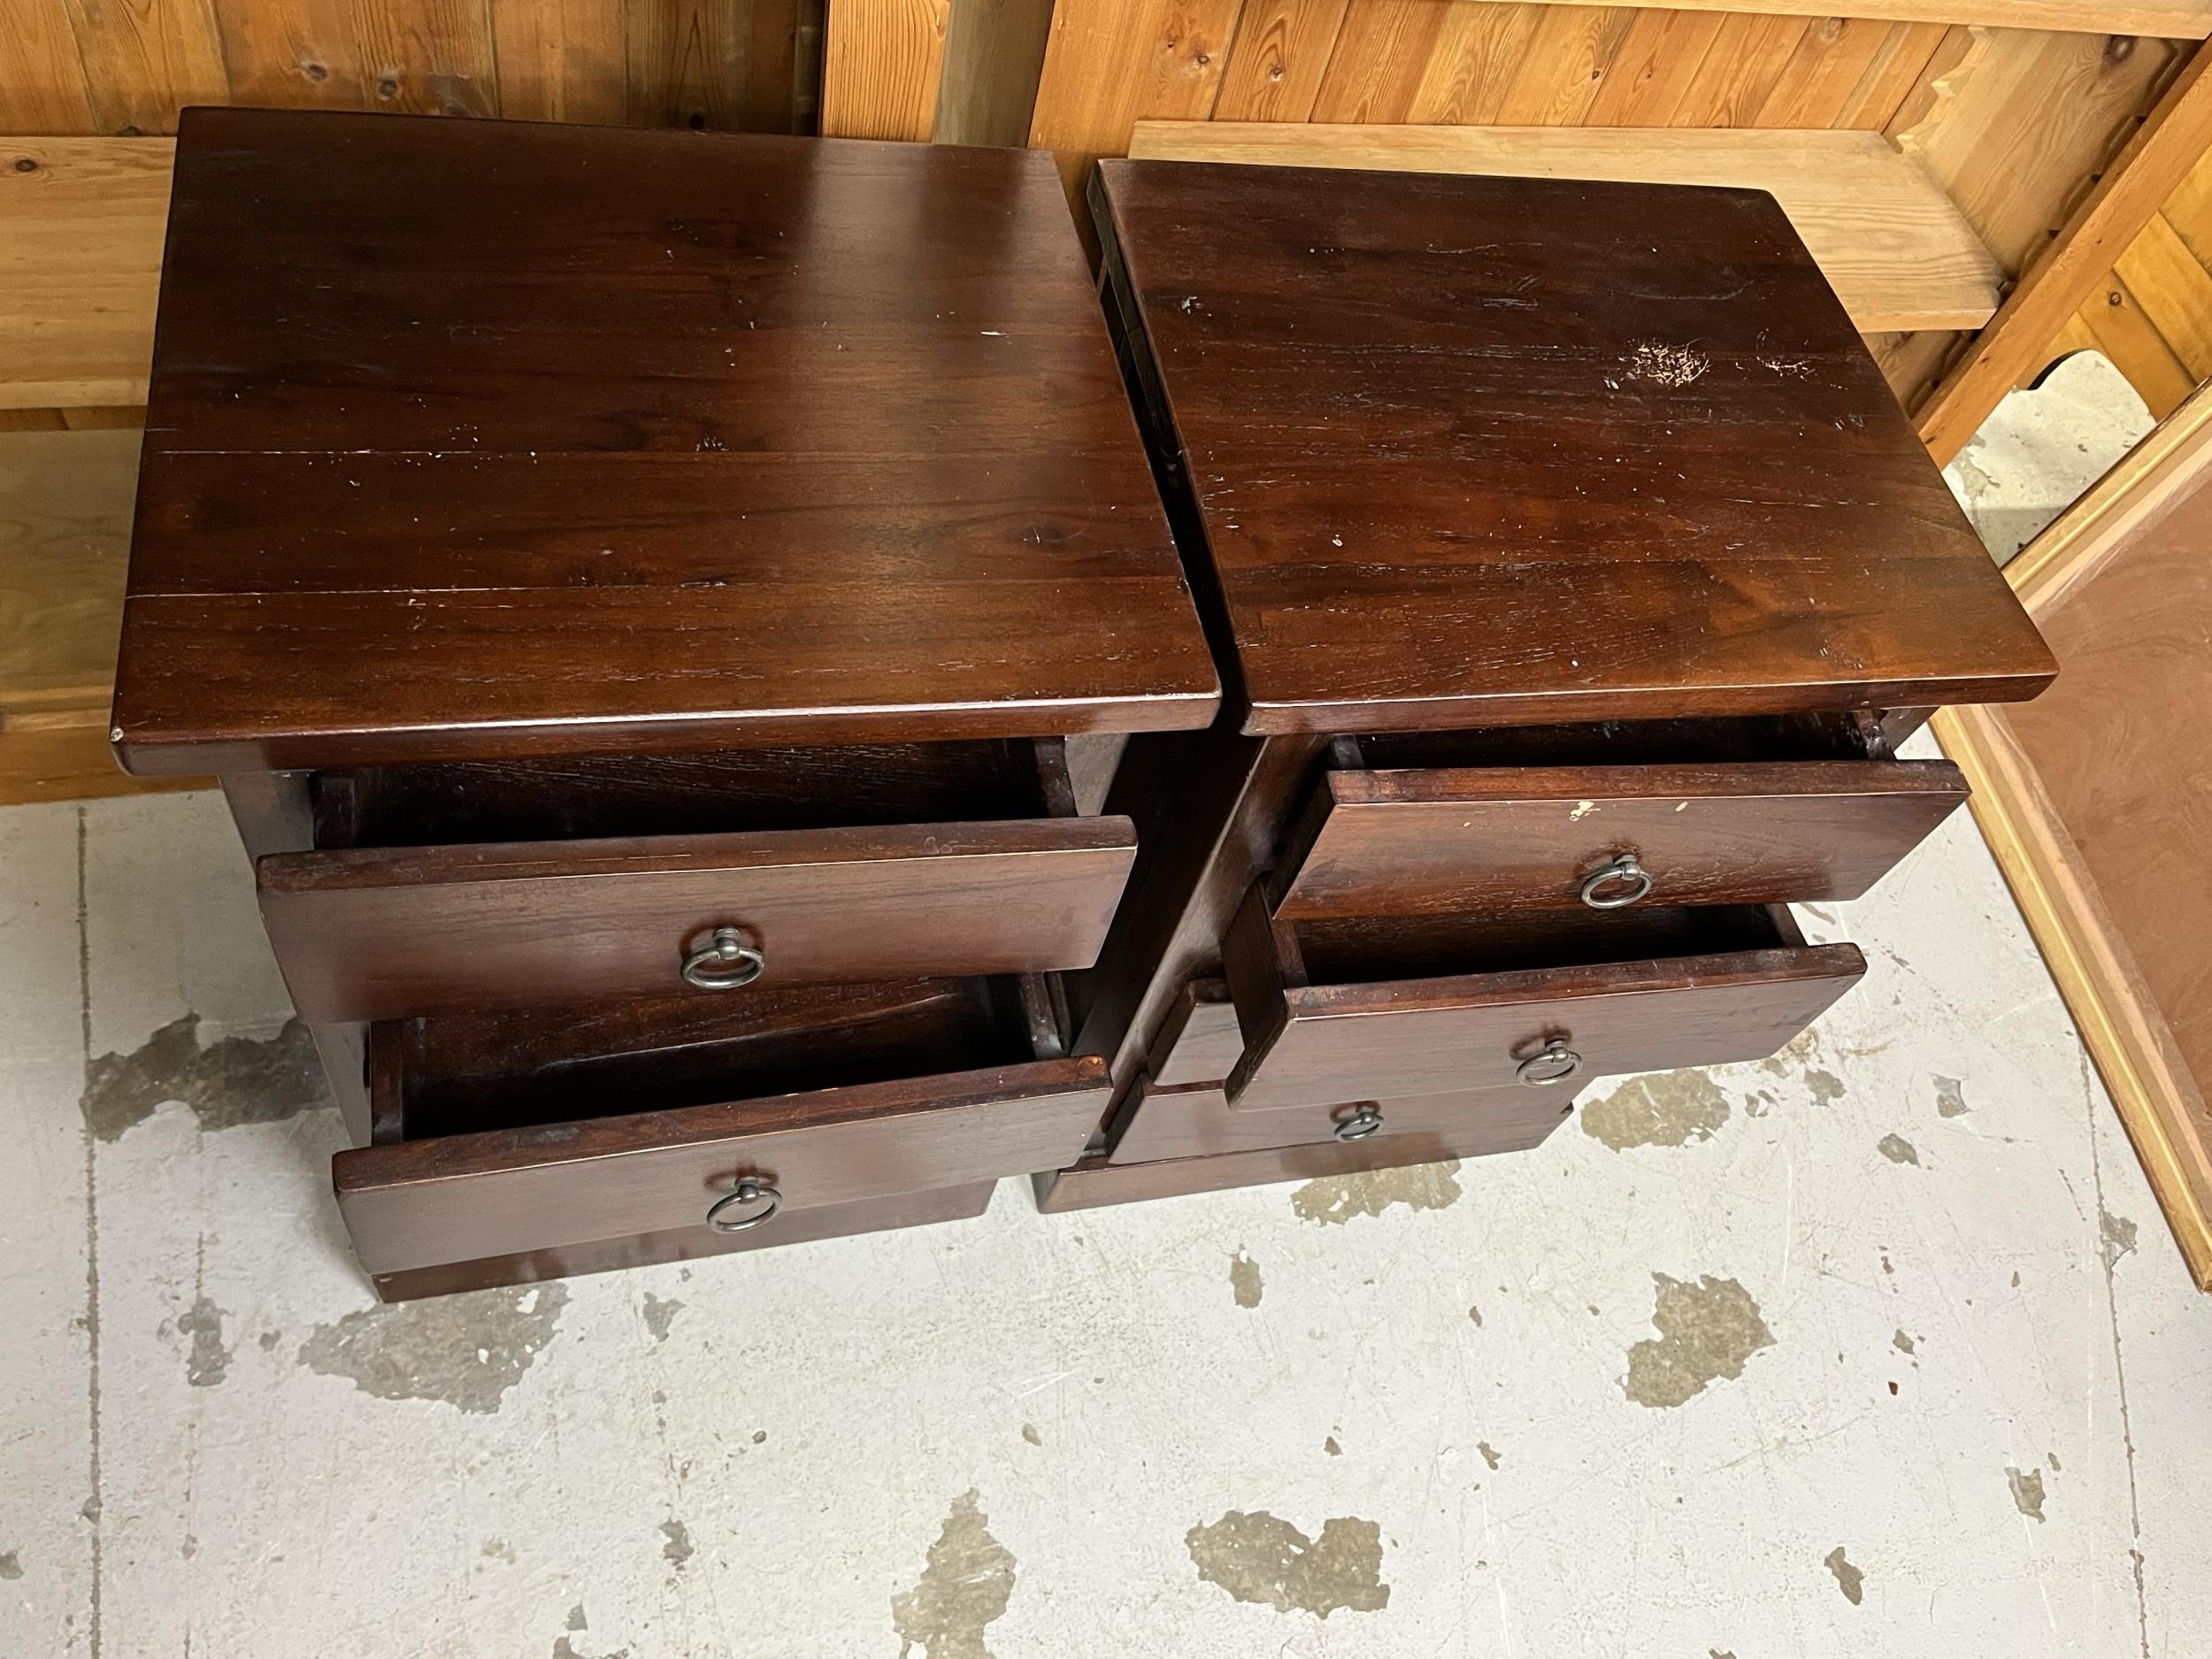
(1572, 573)
(640, 591)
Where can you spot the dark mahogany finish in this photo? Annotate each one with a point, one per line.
(1536, 525)
(473, 440)
(382, 933)
(1471, 451)
(1386, 843)
(1197, 1121)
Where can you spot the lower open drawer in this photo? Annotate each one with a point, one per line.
(656, 1130)
(1378, 1008)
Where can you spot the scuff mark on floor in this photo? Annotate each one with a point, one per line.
(467, 1350)
(1903, 1343)
(1706, 1332)
(1489, 1455)
(1330, 1445)
(498, 1550)
(1669, 1108)
(1029, 1433)
(659, 1315)
(2027, 1491)
(1849, 1579)
(1475, 1313)
(576, 1619)
(1256, 1557)
(1826, 1087)
(233, 1082)
(1897, 1150)
(1244, 1280)
(564, 1648)
(967, 1579)
(11, 1565)
(1950, 1097)
(678, 1549)
(209, 1361)
(1335, 1198)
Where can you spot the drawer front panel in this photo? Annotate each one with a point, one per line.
(465, 1198)
(1334, 1042)
(382, 933)
(1198, 1122)
(1416, 842)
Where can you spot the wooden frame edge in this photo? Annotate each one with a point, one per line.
(2118, 1023)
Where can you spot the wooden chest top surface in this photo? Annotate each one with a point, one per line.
(480, 438)
(1474, 451)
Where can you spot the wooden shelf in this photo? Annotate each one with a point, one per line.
(81, 221)
(1899, 255)
(64, 532)
(2172, 19)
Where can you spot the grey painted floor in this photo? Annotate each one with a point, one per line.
(1878, 1348)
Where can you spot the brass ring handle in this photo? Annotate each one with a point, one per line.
(1622, 869)
(724, 963)
(1553, 1063)
(748, 1191)
(1358, 1124)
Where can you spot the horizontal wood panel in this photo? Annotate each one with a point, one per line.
(1326, 1042)
(1897, 253)
(427, 1202)
(378, 933)
(1198, 1121)
(1510, 838)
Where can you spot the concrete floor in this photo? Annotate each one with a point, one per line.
(1877, 1348)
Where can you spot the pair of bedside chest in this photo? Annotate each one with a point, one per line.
(752, 724)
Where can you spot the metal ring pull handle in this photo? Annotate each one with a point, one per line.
(1358, 1124)
(748, 1191)
(1622, 869)
(724, 963)
(1553, 1063)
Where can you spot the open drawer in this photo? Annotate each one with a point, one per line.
(472, 887)
(1196, 1121)
(530, 1143)
(1799, 810)
(1378, 1008)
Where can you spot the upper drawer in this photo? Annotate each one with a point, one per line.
(367, 934)
(509, 1135)
(1423, 841)
(1374, 1009)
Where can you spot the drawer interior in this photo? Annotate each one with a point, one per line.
(533, 800)
(462, 1074)
(1856, 735)
(1364, 950)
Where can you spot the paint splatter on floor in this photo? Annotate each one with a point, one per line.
(966, 1582)
(1708, 1331)
(1897, 1150)
(2116, 1237)
(1490, 1455)
(659, 1315)
(1950, 1097)
(1336, 1199)
(1029, 1433)
(1849, 1579)
(1669, 1108)
(678, 1549)
(1903, 1343)
(1244, 1280)
(235, 1080)
(466, 1350)
(1258, 1558)
(11, 1565)
(2027, 1491)
(209, 1361)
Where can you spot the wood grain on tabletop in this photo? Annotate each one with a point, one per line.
(501, 438)
(1479, 452)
